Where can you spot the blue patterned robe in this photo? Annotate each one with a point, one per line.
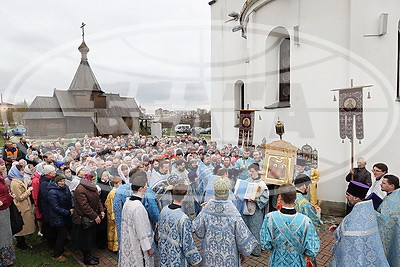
(303, 206)
(123, 192)
(176, 246)
(290, 238)
(203, 172)
(224, 234)
(255, 221)
(357, 239)
(243, 174)
(389, 227)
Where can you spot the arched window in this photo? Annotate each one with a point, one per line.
(277, 68)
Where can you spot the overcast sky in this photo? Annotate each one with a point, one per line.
(155, 50)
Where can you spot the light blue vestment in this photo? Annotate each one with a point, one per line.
(290, 238)
(389, 227)
(243, 174)
(255, 221)
(224, 234)
(303, 206)
(176, 246)
(203, 173)
(357, 239)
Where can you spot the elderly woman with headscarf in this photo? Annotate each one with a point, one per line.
(29, 170)
(88, 207)
(22, 192)
(7, 253)
(80, 172)
(123, 172)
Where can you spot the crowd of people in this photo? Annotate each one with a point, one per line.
(146, 198)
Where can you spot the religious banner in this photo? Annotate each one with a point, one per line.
(246, 128)
(351, 112)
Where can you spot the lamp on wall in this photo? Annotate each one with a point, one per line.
(234, 16)
(237, 28)
(212, 2)
(279, 128)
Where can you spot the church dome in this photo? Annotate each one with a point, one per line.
(83, 48)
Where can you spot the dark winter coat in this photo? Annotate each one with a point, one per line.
(44, 206)
(61, 202)
(87, 202)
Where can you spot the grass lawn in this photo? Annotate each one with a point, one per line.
(40, 255)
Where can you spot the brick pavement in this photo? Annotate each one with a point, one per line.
(108, 258)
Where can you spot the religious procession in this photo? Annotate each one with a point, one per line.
(149, 199)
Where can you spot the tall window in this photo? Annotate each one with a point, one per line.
(277, 69)
(239, 98)
(284, 71)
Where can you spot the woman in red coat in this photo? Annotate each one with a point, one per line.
(35, 195)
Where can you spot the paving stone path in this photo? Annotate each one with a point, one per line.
(108, 258)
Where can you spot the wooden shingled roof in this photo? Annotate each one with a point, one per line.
(44, 107)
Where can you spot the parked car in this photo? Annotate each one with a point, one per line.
(183, 128)
(15, 131)
(206, 131)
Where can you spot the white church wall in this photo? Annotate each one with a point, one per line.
(320, 63)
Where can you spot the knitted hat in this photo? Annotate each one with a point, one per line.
(79, 169)
(88, 177)
(48, 169)
(60, 163)
(221, 187)
(59, 178)
(357, 189)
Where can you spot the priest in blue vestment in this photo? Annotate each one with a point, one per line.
(302, 205)
(389, 219)
(255, 210)
(289, 235)
(204, 171)
(176, 246)
(357, 237)
(226, 240)
(242, 165)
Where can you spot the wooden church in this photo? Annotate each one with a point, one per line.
(82, 109)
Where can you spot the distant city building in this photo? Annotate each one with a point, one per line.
(4, 106)
(82, 109)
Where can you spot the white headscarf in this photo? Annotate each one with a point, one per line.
(121, 174)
